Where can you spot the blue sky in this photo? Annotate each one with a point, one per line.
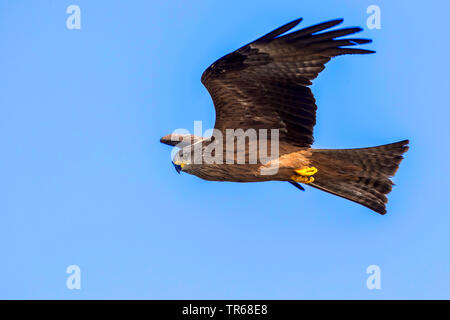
(86, 182)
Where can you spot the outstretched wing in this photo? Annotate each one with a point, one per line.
(264, 84)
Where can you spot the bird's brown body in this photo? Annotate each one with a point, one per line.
(264, 85)
(234, 172)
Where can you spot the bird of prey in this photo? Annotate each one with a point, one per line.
(265, 85)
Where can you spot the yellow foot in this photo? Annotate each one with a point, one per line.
(308, 171)
(304, 175)
(302, 179)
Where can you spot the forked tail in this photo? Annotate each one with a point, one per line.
(360, 175)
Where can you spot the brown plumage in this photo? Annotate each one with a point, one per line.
(265, 85)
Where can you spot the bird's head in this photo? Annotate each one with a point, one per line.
(182, 159)
(178, 166)
(179, 162)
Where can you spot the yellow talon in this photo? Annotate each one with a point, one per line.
(308, 171)
(302, 179)
(304, 175)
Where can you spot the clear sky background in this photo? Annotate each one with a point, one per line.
(85, 181)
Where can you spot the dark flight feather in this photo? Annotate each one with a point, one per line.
(264, 84)
(280, 30)
(312, 29)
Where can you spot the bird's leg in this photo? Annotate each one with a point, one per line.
(307, 171)
(304, 175)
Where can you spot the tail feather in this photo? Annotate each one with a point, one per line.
(360, 175)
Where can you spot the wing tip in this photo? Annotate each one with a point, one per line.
(297, 21)
(379, 209)
(330, 23)
(360, 41)
(337, 21)
(342, 51)
(166, 139)
(366, 51)
(279, 31)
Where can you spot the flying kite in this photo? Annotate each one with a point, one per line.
(265, 85)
